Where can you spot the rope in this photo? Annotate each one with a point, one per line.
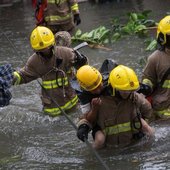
(75, 127)
(67, 117)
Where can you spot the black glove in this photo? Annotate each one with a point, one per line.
(82, 132)
(77, 19)
(145, 89)
(80, 60)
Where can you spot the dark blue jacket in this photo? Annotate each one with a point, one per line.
(6, 78)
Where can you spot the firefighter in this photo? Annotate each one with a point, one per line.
(93, 76)
(58, 15)
(119, 113)
(156, 73)
(88, 98)
(54, 65)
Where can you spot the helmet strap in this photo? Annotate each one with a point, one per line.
(167, 45)
(161, 39)
(46, 55)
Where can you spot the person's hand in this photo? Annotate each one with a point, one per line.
(82, 132)
(148, 130)
(95, 103)
(77, 19)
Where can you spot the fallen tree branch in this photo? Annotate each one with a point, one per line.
(99, 47)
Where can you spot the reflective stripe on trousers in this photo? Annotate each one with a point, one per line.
(164, 113)
(56, 111)
(116, 129)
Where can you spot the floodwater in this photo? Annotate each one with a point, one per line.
(30, 140)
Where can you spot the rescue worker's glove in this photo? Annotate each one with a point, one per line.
(82, 132)
(80, 60)
(145, 89)
(77, 19)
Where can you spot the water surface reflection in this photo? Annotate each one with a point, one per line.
(31, 140)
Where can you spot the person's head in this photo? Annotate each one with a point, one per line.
(90, 79)
(63, 38)
(42, 41)
(163, 32)
(124, 80)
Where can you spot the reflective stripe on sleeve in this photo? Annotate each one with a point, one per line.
(74, 7)
(166, 84)
(147, 82)
(17, 77)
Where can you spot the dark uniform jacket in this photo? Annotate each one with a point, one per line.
(59, 13)
(119, 118)
(157, 65)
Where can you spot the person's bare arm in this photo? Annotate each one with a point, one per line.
(147, 129)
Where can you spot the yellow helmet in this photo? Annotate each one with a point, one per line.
(41, 38)
(123, 78)
(88, 77)
(164, 29)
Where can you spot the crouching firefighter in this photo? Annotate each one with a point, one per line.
(55, 66)
(119, 114)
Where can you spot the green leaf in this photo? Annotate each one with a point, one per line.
(152, 46)
(133, 16)
(140, 28)
(115, 37)
(78, 33)
(149, 23)
(146, 12)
